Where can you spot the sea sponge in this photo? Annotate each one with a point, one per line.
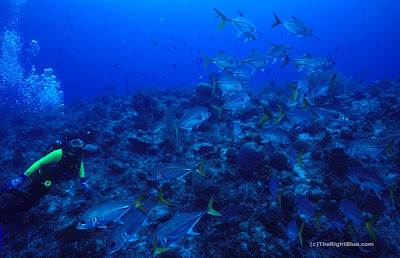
(251, 157)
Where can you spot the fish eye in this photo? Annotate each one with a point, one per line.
(83, 222)
(96, 219)
(113, 244)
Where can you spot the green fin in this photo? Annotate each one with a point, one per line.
(300, 231)
(350, 225)
(299, 158)
(207, 61)
(214, 84)
(306, 104)
(176, 132)
(333, 79)
(267, 115)
(285, 62)
(294, 89)
(160, 198)
(295, 67)
(369, 224)
(210, 209)
(138, 203)
(157, 250)
(219, 111)
(390, 148)
(240, 62)
(391, 192)
(224, 19)
(280, 198)
(319, 214)
(281, 116)
(199, 168)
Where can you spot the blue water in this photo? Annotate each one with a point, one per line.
(76, 67)
(105, 33)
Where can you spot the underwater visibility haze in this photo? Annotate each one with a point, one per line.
(199, 128)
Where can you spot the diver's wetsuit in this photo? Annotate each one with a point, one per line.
(50, 169)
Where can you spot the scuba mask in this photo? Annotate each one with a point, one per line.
(75, 145)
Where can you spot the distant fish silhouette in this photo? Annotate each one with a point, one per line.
(115, 65)
(68, 18)
(155, 43)
(171, 37)
(174, 65)
(111, 87)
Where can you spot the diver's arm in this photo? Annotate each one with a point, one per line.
(53, 157)
(81, 171)
(85, 185)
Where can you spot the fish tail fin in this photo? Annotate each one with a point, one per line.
(277, 21)
(219, 110)
(214, 84)
(299, 234)
(294, 89)
(280, 198)
(160, 198)
(224, 19)
(281, 114)
(267, 115)
(369, 224)
(317, 217)
(306, 103)
(391, 189)
(350, 225)
(157, 250)
(208, 60)
(240, 62)
(210, 209)
(285, 62)
(332, 81)
(138, 203)
(299, 158)
(176, 132)
(199, 168)
(390, 148)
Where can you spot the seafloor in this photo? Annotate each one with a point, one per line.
(127, 135)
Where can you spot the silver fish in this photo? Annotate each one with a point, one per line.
(368, 179)
(223, 61)
(364, 147)
(274, 135)
(292, 231)
(310, 63)
(256, 60)
(167, 172)
(333, 115)
(299, 117)
(99, 216)
(241, 74)
(237, 100)
(123, 233)
(295, 26)
(351, 212)
(279, 51)
(229, 84)
(193, 118)
(172, 230)
(244, 25)
(132, 221)
(303, 205)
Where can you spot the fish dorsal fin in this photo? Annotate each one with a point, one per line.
(294, 18)
(241, 14)
(191, 231)
(253, 50)
(307, 55)
(221, 52)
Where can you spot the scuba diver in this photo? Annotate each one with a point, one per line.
(63, 159)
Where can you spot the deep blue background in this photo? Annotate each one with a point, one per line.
(83, 40)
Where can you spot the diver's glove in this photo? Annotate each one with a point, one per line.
(85, 184)
(15, 184)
